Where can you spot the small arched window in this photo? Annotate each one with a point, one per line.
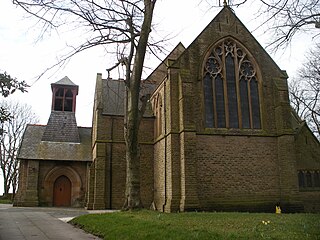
(231, 87)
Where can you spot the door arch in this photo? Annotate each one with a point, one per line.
(62, 192)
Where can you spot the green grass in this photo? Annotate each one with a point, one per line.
(5, 201)
(155, 225)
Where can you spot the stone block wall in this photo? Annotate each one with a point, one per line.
(159, 175)
(37, 180)
(109, 167)
(49, 171)
(27, 195)
(237, 172)
(307, 152)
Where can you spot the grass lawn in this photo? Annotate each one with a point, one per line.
(154, 225)
(5, 201)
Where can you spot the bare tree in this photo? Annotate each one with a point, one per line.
(122, 27)
(305, 91)
(10, 140)
(282, 19)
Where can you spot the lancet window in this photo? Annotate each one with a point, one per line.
(231, 88)
(158, 114)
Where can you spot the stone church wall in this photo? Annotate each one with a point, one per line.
(308, 162)
(50, 170)
(237, 172)
(159, 174)
(27, 195)
(108, 171)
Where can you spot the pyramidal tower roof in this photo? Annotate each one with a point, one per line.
(65, 81)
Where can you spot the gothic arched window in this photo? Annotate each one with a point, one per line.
(231, 88)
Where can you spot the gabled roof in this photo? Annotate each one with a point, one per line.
(225, 24)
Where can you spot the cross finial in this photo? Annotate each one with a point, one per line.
(225, 3)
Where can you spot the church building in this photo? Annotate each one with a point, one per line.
(218, 134)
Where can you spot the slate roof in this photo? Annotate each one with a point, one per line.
(33, 148)
(113, 90)
(61, 127)
(65, 81)
(113, 96)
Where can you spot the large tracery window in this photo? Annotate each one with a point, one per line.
(231, 88)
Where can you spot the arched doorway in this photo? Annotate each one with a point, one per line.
(62, 192)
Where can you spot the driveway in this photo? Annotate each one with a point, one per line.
(38, 223)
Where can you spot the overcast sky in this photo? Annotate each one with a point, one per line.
(25, 57)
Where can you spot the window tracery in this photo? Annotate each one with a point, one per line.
(231, 88)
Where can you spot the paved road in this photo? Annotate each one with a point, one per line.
(40, 223)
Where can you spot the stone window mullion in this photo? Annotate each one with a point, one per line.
(237, 76)
(225, 88)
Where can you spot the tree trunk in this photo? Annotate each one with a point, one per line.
(133, 115)
(133, 199)
(6, 188)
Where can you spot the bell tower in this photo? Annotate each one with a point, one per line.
(62, 124)
(64, 94)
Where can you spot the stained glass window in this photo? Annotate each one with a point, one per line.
(231, 88)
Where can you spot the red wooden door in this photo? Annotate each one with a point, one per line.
(62, 192)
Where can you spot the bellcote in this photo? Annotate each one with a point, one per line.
(64, 93)
(62, 124)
